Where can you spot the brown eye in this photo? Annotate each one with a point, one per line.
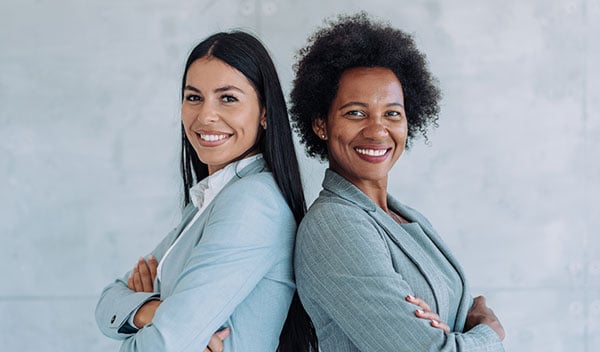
(228, 99)
(355, 114)
(394, 115)
(193, 98)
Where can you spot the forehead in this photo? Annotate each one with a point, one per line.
(210, 71)
(361, 83)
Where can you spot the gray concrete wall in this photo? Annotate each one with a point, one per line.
(89, 109)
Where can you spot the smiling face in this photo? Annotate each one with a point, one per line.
(366, 125)
(220, 111)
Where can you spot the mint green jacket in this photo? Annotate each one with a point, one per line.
(233, 268)
(355, 266)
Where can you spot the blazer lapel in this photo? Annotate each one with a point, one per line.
(179, 254)
(465, 303)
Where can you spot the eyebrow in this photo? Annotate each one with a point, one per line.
(218, 90)
(365, 105)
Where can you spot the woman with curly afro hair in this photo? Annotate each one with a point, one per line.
(371, 272)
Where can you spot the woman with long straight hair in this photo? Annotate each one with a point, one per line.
(223, 278)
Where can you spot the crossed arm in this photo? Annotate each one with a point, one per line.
(240, 244)
(343, 269)
(142, 280)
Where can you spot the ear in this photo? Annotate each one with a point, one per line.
(263, 119)
(320, 128)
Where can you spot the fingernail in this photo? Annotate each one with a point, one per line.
(151, 257)
(420, 311)
(411, 297)
(435, 322)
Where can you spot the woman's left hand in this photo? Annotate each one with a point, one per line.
(144, 273)
(426, 313)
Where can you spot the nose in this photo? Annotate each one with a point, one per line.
(375, 129)
(207, 113)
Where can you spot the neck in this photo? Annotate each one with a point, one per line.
(375, 190)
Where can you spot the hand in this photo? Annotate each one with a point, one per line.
(481, 314)
(144, 273)
(216, 341)
(426, 313)
(145, 314)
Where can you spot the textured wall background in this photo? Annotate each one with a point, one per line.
(89, 109)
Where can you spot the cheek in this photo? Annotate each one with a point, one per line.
(403, 131)
(185, 117)
(188, 114)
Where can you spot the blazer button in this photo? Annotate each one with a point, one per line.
(112, 320)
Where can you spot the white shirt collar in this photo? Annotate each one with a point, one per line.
(203, 192)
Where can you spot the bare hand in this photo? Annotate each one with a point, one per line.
(216, 341)
(145, 313)
(143, 275)
(426, 313)
(481, 314)
(142, 280)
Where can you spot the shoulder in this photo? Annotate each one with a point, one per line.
(333, 211)
(253, 200)
(337, 237)
(259, 185)
(333, 221)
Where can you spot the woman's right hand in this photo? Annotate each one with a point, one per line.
(480, 313)
(216, 341)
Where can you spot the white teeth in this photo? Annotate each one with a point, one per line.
(371, 152)
(213, 137)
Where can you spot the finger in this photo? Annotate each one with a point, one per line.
(215, 344)
(427, 315)
(479, 300)
(130, 283)
(223, 334)
(145, 275)
(440, 325)
(419, 302)
(153, 265)
(137, 282)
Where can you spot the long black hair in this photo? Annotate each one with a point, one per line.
(245, 53)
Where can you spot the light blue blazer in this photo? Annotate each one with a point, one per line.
(355, 266)
(232, 269)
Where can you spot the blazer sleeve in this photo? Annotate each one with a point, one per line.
(249, 225)
(343, 267)
(117, 302)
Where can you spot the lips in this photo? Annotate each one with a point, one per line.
(373, 155)
(371, 152)
(212, 138)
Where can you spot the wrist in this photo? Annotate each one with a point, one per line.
(145, 313)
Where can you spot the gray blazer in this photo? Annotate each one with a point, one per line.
(354, 267)
(233, 268)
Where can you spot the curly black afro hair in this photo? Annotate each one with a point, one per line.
(357, 41)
